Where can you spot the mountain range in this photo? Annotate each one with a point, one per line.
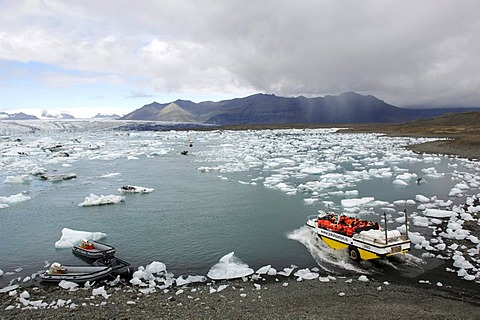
(348, 107)
(261, 109)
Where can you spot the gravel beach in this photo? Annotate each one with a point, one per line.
(357, 297)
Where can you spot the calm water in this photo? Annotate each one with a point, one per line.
(192, 218)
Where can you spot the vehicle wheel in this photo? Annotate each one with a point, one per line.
(354, 254)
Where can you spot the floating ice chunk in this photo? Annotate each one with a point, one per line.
(432, 172)
(17, 179)
(286, 272)
(416, 238)
(1, 272)
(349, 203)
(351, 193)
(190, 279)
(272, 272)
(71, 237)
(264, 269)
(306, 274)
(155, 267)
(407, 176)
(420, 221)
(399, 182)
(229, 267)
(111, 175)
(437, 213)
(94, 200)
(462, 186)
(9, 288)
(16, 198)
(455, 192)
(421, 198)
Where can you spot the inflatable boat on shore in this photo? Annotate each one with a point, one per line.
(93, 250)
(363, 239)
(58, 272)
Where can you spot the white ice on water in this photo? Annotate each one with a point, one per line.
(71, 237)
(94, 200)
(5, 202)
(229, 267)
(315, 164)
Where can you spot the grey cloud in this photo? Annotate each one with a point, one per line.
(405, 52)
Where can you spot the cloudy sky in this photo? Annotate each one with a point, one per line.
(90, 56)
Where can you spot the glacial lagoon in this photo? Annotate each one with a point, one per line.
(247, 192)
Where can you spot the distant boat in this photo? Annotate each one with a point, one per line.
(58, 272)
(93, 249)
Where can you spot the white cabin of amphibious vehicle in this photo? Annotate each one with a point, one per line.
(363, 239)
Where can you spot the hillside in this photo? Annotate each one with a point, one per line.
(348, 107)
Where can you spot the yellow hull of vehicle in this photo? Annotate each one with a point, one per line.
(364, 254)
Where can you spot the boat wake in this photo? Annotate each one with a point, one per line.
(327, 258)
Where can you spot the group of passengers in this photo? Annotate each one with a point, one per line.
(346, 225)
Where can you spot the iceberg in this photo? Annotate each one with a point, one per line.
(229, 267)
(16, 198)
(71, 237)
(437, 213)
(94, 200)
(349, 203)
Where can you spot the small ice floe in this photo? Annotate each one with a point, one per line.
(17, 179)
(155, 267)
(286, 272)
(111, 175)
(264, 269)
(400, 182)
(229, 267)
(190, 279)
(348, 203)
(306, 274)
(72, 237)
(134, 189)
(437, 213)
(9, 288)
(94, 200)
(422, 198)
(16, 198)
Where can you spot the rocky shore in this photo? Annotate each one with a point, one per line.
(327, 297)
